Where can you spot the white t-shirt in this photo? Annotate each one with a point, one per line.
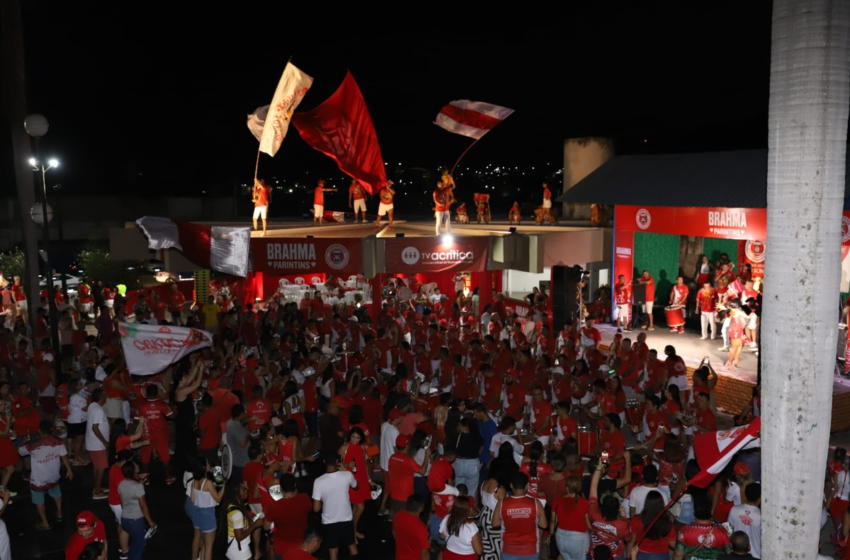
(637, 498)
(5, 548)
(462, 542)
(332, 490)
(76, 404)
(96, 415)
(45, 462)
(747, 518)
(236, 549)
(389, 433)
(733, 493)
(501, 438)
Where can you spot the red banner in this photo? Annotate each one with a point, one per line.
(725, 223)
(431, 254)
(624, 246)
(296, 255)
(751, 252)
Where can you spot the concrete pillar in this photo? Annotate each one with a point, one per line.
(582, 156)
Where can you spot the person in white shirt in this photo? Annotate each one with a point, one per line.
(389, 433)
(637, 498)
(97, 441)
(47, 454)
(507, 429)
(747, 517)
(330, 497)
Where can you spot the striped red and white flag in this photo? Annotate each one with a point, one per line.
(715, 450)
(471, 118)
(224, 249)
(333, 217)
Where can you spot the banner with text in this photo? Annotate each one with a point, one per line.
(725, 223)
(431, 254)
(624, 246)
(150, 349)
(751, 252)
(286, 256)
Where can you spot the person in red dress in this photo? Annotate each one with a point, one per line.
(353, 453)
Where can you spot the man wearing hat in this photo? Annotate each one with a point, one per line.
(89, 529)
(402, 468)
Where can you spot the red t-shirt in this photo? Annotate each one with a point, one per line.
(262, 195)
(650, 287)
(262, 409)
(122, 443)
(615, 444)
(608, 533)
(542, 410)
(621, 294)
(707, 300)
(711, 537)
(155, 413)
(534, 481)
(567, 427)
(675, 366)
(402, 469)
(290, 518)
(77, 543)
(251, 474)
(210, 422)
(115, 478)
(441, 472)
(441, 200)
(386, 196)
(28, 422)
(411, 536)
(652, 546)
(356, 191)
(519, 520)
(571, 513)
(705, 419)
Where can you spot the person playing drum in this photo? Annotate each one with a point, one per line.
(679, 293)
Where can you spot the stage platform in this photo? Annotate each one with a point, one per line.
(734, 387)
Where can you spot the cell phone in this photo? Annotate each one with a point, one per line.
(604, 457)
(661, 425)
(317, 454)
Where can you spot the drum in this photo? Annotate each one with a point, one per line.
(634, 412)
(675, 315)
(588, 439)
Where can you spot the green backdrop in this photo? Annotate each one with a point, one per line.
(659, 254)
(713, 248)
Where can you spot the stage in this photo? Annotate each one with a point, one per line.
(734, 387)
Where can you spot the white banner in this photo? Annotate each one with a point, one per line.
(291, 89)
(150, 349)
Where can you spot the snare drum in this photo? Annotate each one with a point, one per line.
(675, 315)
(588, 439)
(635, 410)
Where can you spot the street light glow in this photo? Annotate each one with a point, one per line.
(53, 162)
(32, 161)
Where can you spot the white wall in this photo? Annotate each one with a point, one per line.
(517, 281)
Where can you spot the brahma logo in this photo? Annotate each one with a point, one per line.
(291, 256)
(845, 229)
(643, 218)
(410, 255)
(624, 251)
(337, 256)
(754, 251)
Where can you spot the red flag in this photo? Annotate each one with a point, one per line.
(714, 450)
(342, 129)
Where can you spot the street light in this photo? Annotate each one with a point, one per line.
(36, 126)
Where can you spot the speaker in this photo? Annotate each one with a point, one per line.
(639, 293)
(566, 296)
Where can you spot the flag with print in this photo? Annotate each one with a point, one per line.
(291, 89)
(714, 450)
(150, 349)
(223, 249)
(471, 118)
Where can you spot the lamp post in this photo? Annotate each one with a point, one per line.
(36, 126)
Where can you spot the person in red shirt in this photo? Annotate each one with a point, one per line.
(547, 204)
(523, 517)
(25, 412)
(89, 529)
(209, 429)
(589, 332)
(259, 409)
(649, 282)
(319, 201)
(442, 204)
(155, 412)
(386, 207)
(357, 200)
(677, 372)
(410, 534)
(261, 197)
(622, 297)
(679, 293)
(704, 420)
(703, 534)
(311, 543)
(541, 416)
(606, 526)
(613, 443)
(176, 301)
(706, 304)
(402, 467)
(737, 322)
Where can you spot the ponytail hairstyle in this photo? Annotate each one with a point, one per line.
(574, 487)
(535, 453)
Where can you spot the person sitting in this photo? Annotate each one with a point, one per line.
(515, 214)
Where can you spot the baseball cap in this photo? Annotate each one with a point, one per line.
(86, 519)
(395, 414)
(741, 468)
(402, 441)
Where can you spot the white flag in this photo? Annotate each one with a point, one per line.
(291, 89)
(257, 120)
(149, 349)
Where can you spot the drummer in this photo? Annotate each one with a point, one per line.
(679, 293)
(540, 416)
(566, 425)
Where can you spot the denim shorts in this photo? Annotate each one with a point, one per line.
(38, 497)
(203, 519)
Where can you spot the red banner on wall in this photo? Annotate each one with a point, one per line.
(724, 223)
(751, 252)
(282, 256)
(624, 246)
(431, 254)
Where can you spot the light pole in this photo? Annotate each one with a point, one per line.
(36, 126)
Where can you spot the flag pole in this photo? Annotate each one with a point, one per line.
(463, 154)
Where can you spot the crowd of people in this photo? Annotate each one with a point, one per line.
(475, 434)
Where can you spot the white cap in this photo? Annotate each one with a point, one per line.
(424, 388)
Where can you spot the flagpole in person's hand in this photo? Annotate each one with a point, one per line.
(463, 154)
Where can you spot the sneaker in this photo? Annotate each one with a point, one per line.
(681, 330)
(124, 555)
(99, 496)
(703, 337)
(643, 326)
(651, 328)
(723, 349)
(619, 329)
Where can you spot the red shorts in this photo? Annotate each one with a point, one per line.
(837, 508)
(99, 460)
(161, 446)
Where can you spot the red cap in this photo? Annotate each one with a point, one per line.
(86, 519)
(741, 469)
(402, 441)
(395, 414)
(443, 323)
(470, 320)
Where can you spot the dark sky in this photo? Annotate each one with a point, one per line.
(155, 101)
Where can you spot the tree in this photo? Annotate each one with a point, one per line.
(807, 133)
(13, 264)
(97, 265)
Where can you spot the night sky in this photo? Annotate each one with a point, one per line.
(156, 102)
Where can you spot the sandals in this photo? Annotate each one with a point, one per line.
(41, 527)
